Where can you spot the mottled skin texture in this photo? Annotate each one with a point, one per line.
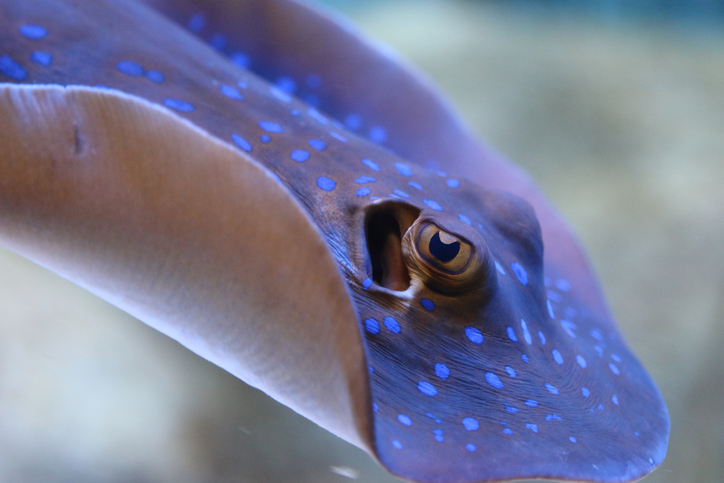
(517, 371)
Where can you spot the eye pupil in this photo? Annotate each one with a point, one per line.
(442, 251)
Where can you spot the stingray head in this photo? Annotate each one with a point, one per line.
(482, 367)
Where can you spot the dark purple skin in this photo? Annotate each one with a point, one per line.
(519, 372)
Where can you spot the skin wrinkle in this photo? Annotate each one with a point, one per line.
(387, 397)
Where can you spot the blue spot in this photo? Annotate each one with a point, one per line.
(396, 444)
(471, 424)
(378, 134)
(550, 309)
(581, 361)
(510, 371)
(240, 59)
(404, 419)
(370, 164)
(426, 388)
(499, 268)
(363, 191)
(431, 416)
(526, 334)
(392, 325)
(232, 93)
(364, 179)
(613, 368)
(465, 219)
(178, 104)
(532, 427)
(470, 447)
(569, 327)
(572, 439)
(615, 358)
(241, 142)
(474, 335)
(42, 58)
(452, 182)
(33, 32)
(300, 155)
(596, 334)
(375, 407)
(371, 369)
(531, 403)
(373, 198)
(511, 410)
(415, 185)
(585, 392)
(438, 435)
(197, 22)
(563, 285)
(511, 334)
(242, 84)
(154, 76)
(218, 41)
(403, 169)
(366, 284)
(493, 380)
(428, 304)
(599, 349)
(338, 136)
(433, 205)
(264, 138)
(551, 388)
(269, 126)
(442, 371)
(353, 121)
(520, 272)
(129, 67)
(280, 94)
(317, 144)
(508, 431)
(600, 407)
(401, 194)
(325, 183)
(614, 399)
(372, 326)
(542, 337)
(287, 84)
(636, 433)
(557, 357)
(551, 417)
(525, 358)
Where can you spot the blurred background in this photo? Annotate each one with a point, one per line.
(615, 107)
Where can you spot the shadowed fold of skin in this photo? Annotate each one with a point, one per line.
(413, 312)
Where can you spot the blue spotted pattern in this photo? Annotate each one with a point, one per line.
(300, 155)
(178, 105)
(12, 69)
(34, 32)
(392, 325)
(41, 58)
(326, 184)
(426, 388)
(241, 142)
(442, 371)
(474, 335)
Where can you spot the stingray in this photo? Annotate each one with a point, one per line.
(294, 204)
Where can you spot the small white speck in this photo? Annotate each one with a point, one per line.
(345, 471)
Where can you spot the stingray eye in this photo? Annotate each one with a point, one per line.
(444, 261)
(443, 251)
